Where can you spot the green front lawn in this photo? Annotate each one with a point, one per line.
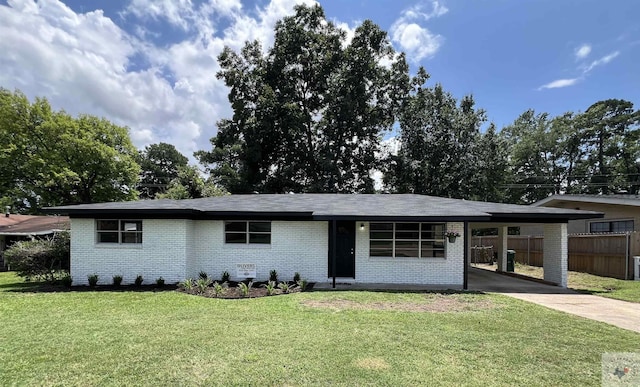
(600, 286)
(316, 338)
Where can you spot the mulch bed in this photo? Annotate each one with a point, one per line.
(232, 291)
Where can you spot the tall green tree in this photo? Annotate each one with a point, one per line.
(308, 115)
(442, 151)
(189, 184)
(609, 132)
(51, 158)
(159, 164)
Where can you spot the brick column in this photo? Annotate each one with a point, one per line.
(555, 255)
(501, 248)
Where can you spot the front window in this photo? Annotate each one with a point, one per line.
(119, 231)
(244, 232)
(611, 226)
(407, 240)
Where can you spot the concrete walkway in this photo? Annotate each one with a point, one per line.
(622, 314)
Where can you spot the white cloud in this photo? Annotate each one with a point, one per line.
(86, 63)
(560, 83)
(583, 51)
(602, 61)
(414, 39)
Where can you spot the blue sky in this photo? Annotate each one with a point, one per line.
(150, 64)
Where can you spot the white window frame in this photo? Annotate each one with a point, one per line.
(120, 232)
(611, 221)
(443, 240)
(247, 232)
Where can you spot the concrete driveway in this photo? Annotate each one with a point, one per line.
(622, 314)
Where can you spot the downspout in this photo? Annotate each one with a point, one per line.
(626, 256)
(467, 235)
(334, 235)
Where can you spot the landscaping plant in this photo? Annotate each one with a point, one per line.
(187, 284)
(93, 280)
(296, 277)
(270, 287)
(203, 275)
(225, 276)
(160, 282)
(138, 281)
(117, 280)
(273, 276)
(284, 287)
(203, 284)
(245, 288)
(219, 289)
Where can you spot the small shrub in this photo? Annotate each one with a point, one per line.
(225, 276)
(219, 289)
(273, 276)
(138, 281)
(245, 288)
(203, 284)
(93, 280)
(187, 284)
(302, 284)
(66, 280)
(203, 275)
(296, 277)
(284, 287)
(271, 288)
(117, 280)
(160, 282)
(39, 259)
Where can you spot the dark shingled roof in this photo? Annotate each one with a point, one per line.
(617, 199)
(327, 206)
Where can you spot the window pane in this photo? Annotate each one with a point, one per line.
(622, 226)
(381, 235)
(407, 226)
(131, 237)
(108, 237)
(260, 238)
(234, 237)
(381, 226)
(599, 227)
(107, 225)
(131, 225)
(235, 226)
(432, 231)
(407, 249)
(407, 235)
(432, 253)
(406, 253)
(260, 226)
(380, 244)
(381, 252)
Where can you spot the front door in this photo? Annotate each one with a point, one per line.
(345, 247)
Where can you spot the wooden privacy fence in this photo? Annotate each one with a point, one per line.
(608, 255)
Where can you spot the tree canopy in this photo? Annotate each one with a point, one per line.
(159, 164)
(50, 158)
(308, 114)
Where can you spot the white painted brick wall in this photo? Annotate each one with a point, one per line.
(162, 253)
(295, 247)
(176, 249)
(555, 253)
(447, 271)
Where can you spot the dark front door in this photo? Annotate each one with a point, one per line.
(344, 239)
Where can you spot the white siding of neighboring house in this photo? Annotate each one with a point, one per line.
(177, 249)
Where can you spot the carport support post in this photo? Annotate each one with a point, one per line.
(334, 235)
(467, 255)
(503, 235)
(555, 255)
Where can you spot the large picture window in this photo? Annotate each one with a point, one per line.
(407, 240)
(611, 226)
(247, 232)
(119, 231)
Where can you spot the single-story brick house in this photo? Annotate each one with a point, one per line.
(376, 238)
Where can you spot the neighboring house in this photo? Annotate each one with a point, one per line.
(398, 239)
(621, 213)
(14, 227)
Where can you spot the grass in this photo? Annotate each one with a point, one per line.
(318, 338)
(601, 286)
